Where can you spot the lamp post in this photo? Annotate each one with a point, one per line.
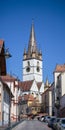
(4, 54)
(7, 54)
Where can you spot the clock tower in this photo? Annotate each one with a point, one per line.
(32, 60)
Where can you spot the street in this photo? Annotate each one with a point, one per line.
(32, 125)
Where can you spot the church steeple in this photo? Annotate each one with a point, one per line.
(32, 59)
(32, 47)
(33, 51)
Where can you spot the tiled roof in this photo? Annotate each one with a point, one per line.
(26, 97)
(26, 85)
(8, 78)
(60, 68)
(39, 84)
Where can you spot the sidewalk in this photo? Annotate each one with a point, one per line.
(3, 127)
(10, 127)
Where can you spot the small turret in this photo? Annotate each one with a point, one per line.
(25, 54)
(47, 84)
(40, 55)
(33, 54)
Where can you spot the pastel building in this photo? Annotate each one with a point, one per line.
(4, 102)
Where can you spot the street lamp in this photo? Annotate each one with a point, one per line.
(4, 54)
(7, 54)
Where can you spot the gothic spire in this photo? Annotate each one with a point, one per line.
(32, 51)
(32, 47)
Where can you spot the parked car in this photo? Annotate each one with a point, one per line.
(41, 118)
(47, 118)
(55, 123)
(51, 121)
(61, 124)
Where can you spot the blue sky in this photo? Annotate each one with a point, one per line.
(49, 21)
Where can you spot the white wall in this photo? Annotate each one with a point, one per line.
(50, 103)
(33, 74)
(55, 81)
(63, 83)
(6, 113)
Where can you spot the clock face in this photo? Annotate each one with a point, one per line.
(28, 69)
(38, 68)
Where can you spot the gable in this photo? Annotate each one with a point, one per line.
(34, 87)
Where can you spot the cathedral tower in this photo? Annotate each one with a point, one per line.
(32, 60)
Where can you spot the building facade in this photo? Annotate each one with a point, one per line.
(13, 84)
(47, 98)
(59, 86)
(4, 102)
(32, 70)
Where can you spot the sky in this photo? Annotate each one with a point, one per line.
(49, 24)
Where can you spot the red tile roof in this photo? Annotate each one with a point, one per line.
(26, 85)
(26, 97)
(39, 84)
(8, 78)
(1, 42)
(60, 68)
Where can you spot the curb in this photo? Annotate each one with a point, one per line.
(12, 126)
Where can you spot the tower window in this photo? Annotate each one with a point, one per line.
(37, 63)
(38, 68)
(28, 63)
(28, 67)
